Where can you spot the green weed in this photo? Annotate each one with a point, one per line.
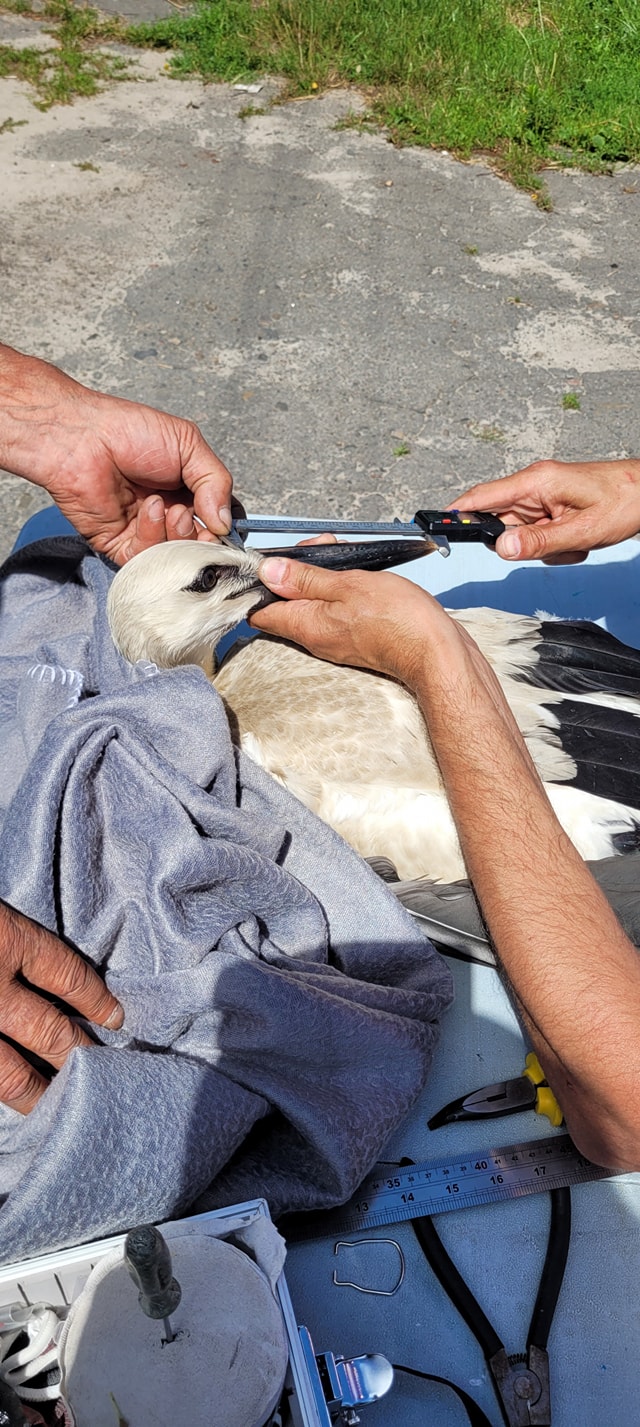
(571, 401)
(73, 66)
(8, 125)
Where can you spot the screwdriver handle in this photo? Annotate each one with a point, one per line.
(149, 1262)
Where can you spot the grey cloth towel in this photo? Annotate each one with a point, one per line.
(281, 1007)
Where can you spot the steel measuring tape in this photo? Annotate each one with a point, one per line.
(464, 1182)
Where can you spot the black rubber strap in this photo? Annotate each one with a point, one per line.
(553, 1269)
(475, 1414)
(455, 1287)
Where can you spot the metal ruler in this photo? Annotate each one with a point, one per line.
(481, 1177)
(293, 525)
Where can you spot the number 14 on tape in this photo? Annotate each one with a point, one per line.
(436, 1187)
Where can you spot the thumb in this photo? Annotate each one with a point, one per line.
(545, 541)
(293, 580)
(209, 481)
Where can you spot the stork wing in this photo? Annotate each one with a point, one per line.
(451, 915)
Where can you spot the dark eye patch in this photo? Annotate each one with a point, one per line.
(207, 579)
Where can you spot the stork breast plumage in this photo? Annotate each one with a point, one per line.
(352, 744)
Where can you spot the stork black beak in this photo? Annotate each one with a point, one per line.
(350, 555)
(358, 554)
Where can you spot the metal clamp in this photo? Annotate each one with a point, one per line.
(343, 1384)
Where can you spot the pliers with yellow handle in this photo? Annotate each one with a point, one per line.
(528, 1091)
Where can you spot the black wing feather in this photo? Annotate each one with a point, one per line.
(605, 746)
(576, 657)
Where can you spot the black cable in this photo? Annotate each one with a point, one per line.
(455, 1287)
(553, 1268)
(467, 1305)
(476, 1416)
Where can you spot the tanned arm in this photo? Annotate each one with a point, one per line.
(573, 972)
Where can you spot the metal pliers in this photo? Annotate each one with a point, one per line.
(528, 1091)
(521, 1380)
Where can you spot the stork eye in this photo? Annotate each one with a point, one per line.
(208, 578)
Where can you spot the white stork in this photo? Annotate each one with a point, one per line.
(352, 744)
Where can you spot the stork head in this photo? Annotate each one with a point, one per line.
(174, 602)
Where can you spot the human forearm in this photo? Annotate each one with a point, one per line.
(31, 395)
(574, 974)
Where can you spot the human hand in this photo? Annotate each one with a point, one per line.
(563, 509)
(31, 955)
(372, 621)
(386, 623)
(127, 476)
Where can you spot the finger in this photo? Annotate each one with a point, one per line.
(180, 523)
(547, 539)
(203, 534)
(47, 962)
(40, 1026)
(21, 1085)
(282, 619)
(573, 557)
(497, 496)
(150, 529)
(292, 580)
(208, 478)
(309, 623)
(324, 539)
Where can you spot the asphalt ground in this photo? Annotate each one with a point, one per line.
(357, 329)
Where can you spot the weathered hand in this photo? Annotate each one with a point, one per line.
(32, 959)
(372, 621)
(564, 509)
(127, 476)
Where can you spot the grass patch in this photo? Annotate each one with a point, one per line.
(249, 111)
(75, 66)
(571, 401)
(529, 82)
